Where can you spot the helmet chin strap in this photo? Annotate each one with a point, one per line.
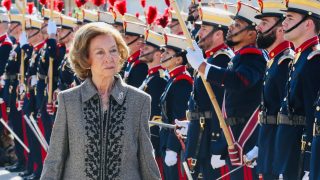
(169, 58)
(10, 31)
(65, 35)
(31, 36)
(133, 41)
(149, 53)
(205, 37)
(298, 24)
(239, 32)
(270, 29)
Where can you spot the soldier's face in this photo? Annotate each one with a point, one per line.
(235, 33)
(168, 59)
(104, 57)
(175, 27)
(15, 29)
(267, 32)
(146, 53)
(265, 24)
(290, 21)
(193, 12)
(205, 36)
(65, 35)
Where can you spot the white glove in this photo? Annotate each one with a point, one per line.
(250, 157)
(1, 101)
(195, 57)
(33, 80)
(183, 127)
(216, 162)
(23, 40)
(22, 89)
(171, 158)
(306, 175)
(52, 27)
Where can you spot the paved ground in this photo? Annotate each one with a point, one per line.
(6, 175)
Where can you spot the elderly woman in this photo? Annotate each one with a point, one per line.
(101, 129)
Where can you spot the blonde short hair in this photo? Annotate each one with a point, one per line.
(79, 52)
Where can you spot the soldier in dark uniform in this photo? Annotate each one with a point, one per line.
(315, 165)
(243, 85)
(5, 42)
(5, 49)
(154, 85)
(296, 117)
(174, 103)
(270, 38)
(56, 49)
(35, 43)
(66, 75)
(193, 16)
(205, 144)
(135, 71)
(12, 92)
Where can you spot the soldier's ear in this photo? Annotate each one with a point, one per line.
(179, 60)
(219, 33)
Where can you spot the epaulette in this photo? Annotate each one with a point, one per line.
(250, 50)
(228, 52)
(184, 77)
(287, 54)
(315, 52)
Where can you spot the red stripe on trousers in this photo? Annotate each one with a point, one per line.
(43, 152)
(181, 176)
(160, 166)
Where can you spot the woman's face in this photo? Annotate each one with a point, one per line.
(104, 56)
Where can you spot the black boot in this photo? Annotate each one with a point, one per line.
(25, 173)
(18, 168)
(33, 176)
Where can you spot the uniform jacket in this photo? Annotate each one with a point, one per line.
(154, 85)
(315, 156)
(87, 143)
(303, 84)
(5, 48)
(174, 103)
(135, 71)
(211, 142)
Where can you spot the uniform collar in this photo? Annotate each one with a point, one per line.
(118, 92)
(211, 52)
(247, 46)
(3, 37)
(278, 49)
(134, 56)
(39, 46)
(154, 70)
(178, 70)
(311, 42)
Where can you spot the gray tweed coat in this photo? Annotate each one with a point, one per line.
(87, 143)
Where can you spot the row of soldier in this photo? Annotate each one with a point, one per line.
(259, 63)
